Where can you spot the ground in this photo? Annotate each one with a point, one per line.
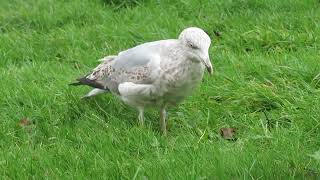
(266, 84)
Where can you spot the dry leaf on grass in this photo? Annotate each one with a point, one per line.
(228, 133)
(24, 122)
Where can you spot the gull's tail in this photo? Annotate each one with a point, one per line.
(98, 88)
(98, 71)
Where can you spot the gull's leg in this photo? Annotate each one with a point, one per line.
(163, 123)
(141, 116)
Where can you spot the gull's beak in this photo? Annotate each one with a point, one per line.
(208, 64)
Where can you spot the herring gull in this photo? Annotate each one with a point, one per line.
(154, 74)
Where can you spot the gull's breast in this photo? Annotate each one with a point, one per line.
(179, 80)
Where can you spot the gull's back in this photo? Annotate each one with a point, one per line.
(144, 53)
(140, 65)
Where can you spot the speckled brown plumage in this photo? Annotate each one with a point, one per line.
(154, 74)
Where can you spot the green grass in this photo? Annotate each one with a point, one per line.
(266, 84)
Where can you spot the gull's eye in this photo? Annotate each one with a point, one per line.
(192, 45)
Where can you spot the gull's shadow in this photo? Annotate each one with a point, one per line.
(110, 108)
(128, 115)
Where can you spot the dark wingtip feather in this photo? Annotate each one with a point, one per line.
(88, 82)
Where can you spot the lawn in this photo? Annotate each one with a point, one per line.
(266, 84)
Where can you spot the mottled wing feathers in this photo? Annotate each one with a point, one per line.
(139, 65)
(102, 70)
(95, 78)
(113, 70)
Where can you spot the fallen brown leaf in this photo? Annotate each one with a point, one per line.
(24, 122)
(228, 133)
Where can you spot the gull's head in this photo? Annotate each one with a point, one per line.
(197, 43)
